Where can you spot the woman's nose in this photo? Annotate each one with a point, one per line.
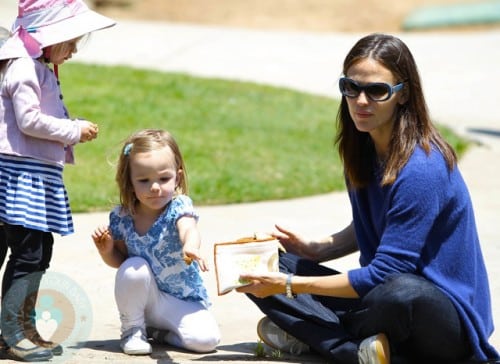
(362, 98)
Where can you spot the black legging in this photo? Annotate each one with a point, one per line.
(3, 245)
(31, 251)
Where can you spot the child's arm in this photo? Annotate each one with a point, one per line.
(113, 252)
(27, 91)
(191, 241)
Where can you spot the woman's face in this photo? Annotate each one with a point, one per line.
(374, 117)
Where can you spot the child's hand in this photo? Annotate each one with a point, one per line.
(194, 254)
(190, 241)
(88, 132)
(103, 240)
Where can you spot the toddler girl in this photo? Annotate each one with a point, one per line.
(154, 242)
(36, 140)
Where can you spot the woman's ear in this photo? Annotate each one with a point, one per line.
(403, 96)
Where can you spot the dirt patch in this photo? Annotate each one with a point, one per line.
(305, 15)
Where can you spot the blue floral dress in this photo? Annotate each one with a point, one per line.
(162, 249)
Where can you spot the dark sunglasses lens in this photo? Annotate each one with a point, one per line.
(378, 92)
(348, 88)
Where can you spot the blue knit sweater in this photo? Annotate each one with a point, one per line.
(424, 224)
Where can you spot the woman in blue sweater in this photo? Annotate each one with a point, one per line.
(421, 294)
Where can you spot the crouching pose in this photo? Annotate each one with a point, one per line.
(153, 240)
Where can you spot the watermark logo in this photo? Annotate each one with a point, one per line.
(62, 313)
(63, 310)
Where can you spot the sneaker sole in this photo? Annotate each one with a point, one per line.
(260, 328)
(138, 352)
(20, 355)
(382, 348)
(294, 349)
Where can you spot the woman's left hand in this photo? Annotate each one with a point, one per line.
(263, 285)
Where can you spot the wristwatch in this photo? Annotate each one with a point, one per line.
(288, 286)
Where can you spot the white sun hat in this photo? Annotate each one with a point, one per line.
(42, 23)
(4, 35)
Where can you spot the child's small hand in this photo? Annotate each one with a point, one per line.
(103, 240)
(89, 131)
(190, 241)
(190, 255)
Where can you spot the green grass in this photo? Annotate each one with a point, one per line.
(241, 142)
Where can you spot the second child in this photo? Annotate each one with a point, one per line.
(37, 136)
(153, 240)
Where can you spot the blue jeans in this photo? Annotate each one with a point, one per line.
(420, 321)
(31, 252)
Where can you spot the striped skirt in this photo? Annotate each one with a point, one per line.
(32, 194)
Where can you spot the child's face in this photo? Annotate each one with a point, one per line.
(154, 176)
(61, 52)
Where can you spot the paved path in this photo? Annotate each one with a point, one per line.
(460, 75)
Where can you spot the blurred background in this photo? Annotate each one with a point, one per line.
(312, 15)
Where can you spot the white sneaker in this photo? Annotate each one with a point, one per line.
(279, 339)
(374, 350)
(134, 342)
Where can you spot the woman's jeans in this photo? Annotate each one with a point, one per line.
(419, 320)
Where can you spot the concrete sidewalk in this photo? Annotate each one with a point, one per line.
(460, 75)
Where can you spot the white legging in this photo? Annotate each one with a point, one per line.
(190, 325)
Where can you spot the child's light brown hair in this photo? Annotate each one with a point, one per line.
(144, 141)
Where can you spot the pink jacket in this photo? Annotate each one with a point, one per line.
(33, 119)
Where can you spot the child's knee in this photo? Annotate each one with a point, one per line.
(135, 269)
(201, 338)
(202, 343)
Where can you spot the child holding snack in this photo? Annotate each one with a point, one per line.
(154, 242)
(37, 136)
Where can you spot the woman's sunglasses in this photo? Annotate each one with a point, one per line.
(376, 91)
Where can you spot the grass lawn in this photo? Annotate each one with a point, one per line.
(241, 141)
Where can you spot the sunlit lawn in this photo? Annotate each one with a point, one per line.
(241, 141)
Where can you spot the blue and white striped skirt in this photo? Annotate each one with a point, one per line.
(32, 194)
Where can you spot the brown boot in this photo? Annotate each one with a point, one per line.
(30, 330)
(36, 339)
(25, 350)
(3, 348)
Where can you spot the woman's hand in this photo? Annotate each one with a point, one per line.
(296, 244)
(263, 285)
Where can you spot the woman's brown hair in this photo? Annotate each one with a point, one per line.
(412, 126)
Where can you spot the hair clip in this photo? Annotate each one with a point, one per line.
(128, 147)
